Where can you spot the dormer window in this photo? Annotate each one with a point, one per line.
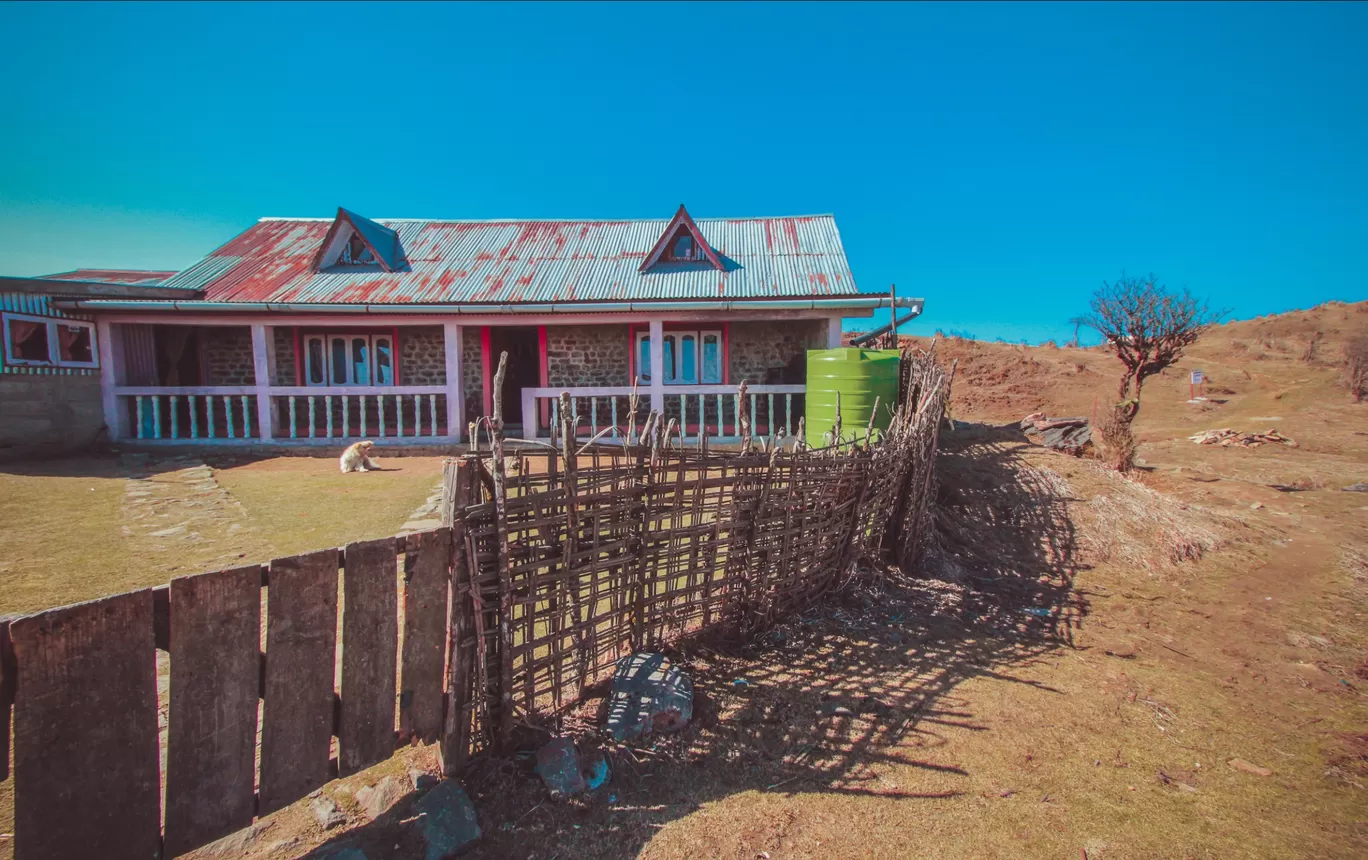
(356, 253)
(685, 249)
(681, 242)
(353, 241)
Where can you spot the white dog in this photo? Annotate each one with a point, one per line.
(357, 458)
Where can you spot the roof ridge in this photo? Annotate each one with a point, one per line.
(311, 219)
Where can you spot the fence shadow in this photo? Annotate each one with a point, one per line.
(828, 700)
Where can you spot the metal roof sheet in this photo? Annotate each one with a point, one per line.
(529, 261)
(136, 277)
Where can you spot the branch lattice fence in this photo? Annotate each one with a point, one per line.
(550, 565)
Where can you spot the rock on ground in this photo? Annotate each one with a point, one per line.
(327, 813)
(449, 821)
(1247, 767)
(649, 694)
(375, 800)
(558, 765)
(238, 843)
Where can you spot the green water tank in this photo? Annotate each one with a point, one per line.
(860, 375)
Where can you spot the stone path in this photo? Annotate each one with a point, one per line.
(181, 505)
(428, 515)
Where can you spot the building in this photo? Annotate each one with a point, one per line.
(50, 395)
(318, 331)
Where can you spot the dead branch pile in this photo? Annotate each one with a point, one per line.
(1226, 438)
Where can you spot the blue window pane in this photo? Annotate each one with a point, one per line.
(644, 359)
(384, 364)
(688, 359)
(317, 365)
(339, 362)
(668, 359)
(712, 359)
(360, 361)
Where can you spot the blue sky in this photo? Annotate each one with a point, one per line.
(999, 160)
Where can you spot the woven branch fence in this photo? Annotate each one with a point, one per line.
(550, 565)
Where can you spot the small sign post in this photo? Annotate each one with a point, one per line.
(1195, 385)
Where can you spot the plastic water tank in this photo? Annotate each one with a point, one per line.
(859, 375)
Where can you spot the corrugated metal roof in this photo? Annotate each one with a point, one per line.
(518, 261)
(136, 277)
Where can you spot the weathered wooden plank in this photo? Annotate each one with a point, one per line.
(297, 716)
(425, 614)
(7, 671)
(370, 628)
(215, 686)
(86, 769)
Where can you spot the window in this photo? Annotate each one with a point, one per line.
(356, 253)
(689, 357)
(48, 342)
(348, 359)
(684, 248)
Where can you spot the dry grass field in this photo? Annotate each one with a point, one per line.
(1169, 665)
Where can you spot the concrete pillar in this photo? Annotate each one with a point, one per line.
(263, 367)
(657, 352)
(455, 402)
(110, 376)
(834, 332)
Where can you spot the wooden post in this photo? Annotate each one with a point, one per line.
(893, 314)
(460, 488)
(505, 561)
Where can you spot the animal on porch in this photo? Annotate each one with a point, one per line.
(357, 458)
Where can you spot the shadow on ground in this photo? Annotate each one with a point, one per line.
(817, 704)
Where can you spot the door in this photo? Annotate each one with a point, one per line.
(523, 369)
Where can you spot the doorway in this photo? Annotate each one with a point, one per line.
(522, 371)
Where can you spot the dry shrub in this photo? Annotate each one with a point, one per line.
(1356, 366)
(1312, 344)
(1136, 526)
(1114, 441)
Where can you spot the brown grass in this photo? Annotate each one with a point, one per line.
(1132, 525)
(77, 517)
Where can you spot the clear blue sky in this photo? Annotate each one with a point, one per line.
(999, 160)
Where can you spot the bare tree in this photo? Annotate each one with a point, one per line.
(1356, 366)
(1148, 327)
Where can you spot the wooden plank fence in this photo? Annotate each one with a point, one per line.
(552, 563)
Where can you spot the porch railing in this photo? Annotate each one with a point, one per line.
(221, 413)
(208, 412)
(711, 410)
(397, 412)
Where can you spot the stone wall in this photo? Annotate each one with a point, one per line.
(472, 380)
(48, 414)
(772, 353)
(588, 355)
(422, 355)
(227, 355)
(284, 343)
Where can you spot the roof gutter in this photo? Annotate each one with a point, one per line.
(833, 304)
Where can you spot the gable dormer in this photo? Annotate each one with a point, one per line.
(682, 242)
(354, 242)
